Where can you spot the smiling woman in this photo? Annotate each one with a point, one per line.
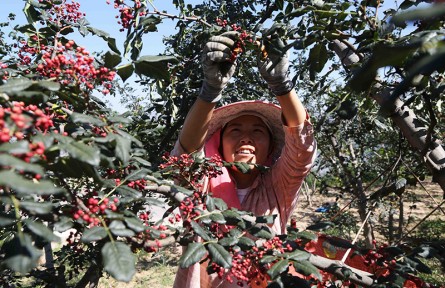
(251, 132)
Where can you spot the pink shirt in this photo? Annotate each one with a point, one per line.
(274, 192)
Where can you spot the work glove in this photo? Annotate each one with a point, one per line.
(273, 64)
(218, 65)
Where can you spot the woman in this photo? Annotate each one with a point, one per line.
(248, 131)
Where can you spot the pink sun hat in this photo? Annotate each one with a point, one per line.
(269, 113)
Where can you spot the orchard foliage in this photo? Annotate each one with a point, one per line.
(69, 163)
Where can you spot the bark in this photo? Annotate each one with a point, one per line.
(337, 268)
(354, 182)
(403, 117)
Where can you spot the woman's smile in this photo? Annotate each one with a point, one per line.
(246, 139)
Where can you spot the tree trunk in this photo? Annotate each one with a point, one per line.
(363, 212)
(401, 219)
(403, 117)
(91, 278)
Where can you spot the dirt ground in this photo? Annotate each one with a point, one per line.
(419, 202)
(158, 271)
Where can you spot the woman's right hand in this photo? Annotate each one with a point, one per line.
(218, 65)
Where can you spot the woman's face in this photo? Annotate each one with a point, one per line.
(246, 139)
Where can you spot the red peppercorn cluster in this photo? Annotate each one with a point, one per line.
(189, 171)
(246, 264)
(74, 67)
(20, 121)
(380, 260)
(240, 43)
(3, 73)
(127, 14)
(176, 218)
(188, 210)
(149, 238)
(20, 117)
(95, 208)
(63, 11)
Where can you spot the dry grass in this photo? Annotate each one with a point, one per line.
(153, 271)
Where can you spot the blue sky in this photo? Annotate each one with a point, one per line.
(102, 16)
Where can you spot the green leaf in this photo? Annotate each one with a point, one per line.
(41, 230)
(298, 255)
(118, 228)
(15, 85)
(31, 13)
(155, 67)
(104, 35)
(235, 232)
(20, 255)
(200, 231)
(194, 253)
(228, 241)
(18, 164)
(218, 218)
(242, 167)
(268, 259)
(154, 201)
(245, 243)
(122, 149)
(39, 208)
(418, 265)
(149, 23)
(318, 56)
(220, 204)
(128, 136)
(125, 71)
(119, 261)
(19, 147)
(383, 54)
(6, 219)
(137, 174)
(129, 193)
(307, 268)
(95, 233)
(23, 186)
(134, 224)
(49, 85)
(320, 226)
(261, 232)
(268, 219)
(63, 224)
(112, 59)
(219, 255)
(279, 4)
(431, 12)
(231, 216)
(87, 119)
(278, 268)
(306, 235)
(210, 203)
(83, 152)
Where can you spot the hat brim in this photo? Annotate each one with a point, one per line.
(268, 112)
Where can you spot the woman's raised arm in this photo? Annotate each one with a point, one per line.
(218, 67)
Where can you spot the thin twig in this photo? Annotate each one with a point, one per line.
(420, 222)
(421, 184)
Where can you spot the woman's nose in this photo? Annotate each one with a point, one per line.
(246, 139)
